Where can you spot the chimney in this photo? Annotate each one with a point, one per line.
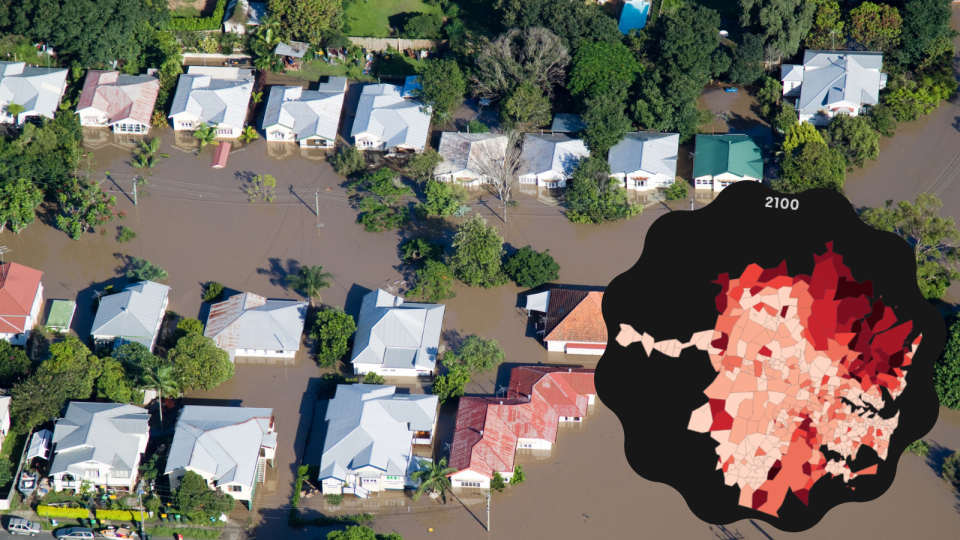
(569, 370)
(481, 433)
(501, 402)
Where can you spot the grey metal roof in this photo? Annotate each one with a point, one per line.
(384, 112)
(655, 153)
(791, 72)
(568, 123)
(411, 83)
(132, 314)
(107, 433)
(558, 152)
(396, 333)
(309, 113)
(248, 321)
(371, 425)
(461, 151)
(833, 76)
(216, 95)
(295, 49)
(37, 89)
(221, 441)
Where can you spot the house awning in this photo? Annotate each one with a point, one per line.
(221, 155)
(538, 302)
(40, 444)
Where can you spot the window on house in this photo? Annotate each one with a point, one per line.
(92, 473)
(393, 478)
(120, 474)
(369, 480)
(235, 489)
(470, 484)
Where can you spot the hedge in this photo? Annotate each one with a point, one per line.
(329, 521)
(117, 515)
(193, 24)
(58, 512)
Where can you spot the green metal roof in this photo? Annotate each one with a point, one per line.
(736, 154)
(61, 312)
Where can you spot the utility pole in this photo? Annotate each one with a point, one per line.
(488, 510)
(140, 502)
(134, 190)
(316, 202)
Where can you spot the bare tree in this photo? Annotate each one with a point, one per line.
(498, 160)
(534, 55)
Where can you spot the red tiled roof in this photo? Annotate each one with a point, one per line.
(18, 288)
(135, 101)
(575, 316)
(485, 437)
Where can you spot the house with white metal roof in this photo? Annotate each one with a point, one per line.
(37, 89)
(124, 103)
(645, 160)
(236, 18)
(549, 160)
(249, 325)
(386, 121)
(215, 96)
(99, 443)
(833, 82)
(465, 156)
(228, 446)
(132, 315)
(396, 338)
(307, 117)
(370, 433)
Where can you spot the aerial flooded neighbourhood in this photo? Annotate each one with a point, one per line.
(335, 269)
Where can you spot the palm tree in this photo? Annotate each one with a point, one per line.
(205, 135)
(249, 134)
(144, 161)
(257, 97)
(309, 281)
(152, 148)
(434, 479)
(162, 377)
(15, 110)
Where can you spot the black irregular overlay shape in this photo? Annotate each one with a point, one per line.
(669, 294)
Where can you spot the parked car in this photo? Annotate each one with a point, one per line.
(75, 532)
(23, 526)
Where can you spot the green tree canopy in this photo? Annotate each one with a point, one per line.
(934, 239)
(420, 166)
(71, 356)
(14, 364)
(526, 108)
(18, 202)
(84, 207)
(423, 26)
(530, 269)
(194, 496)
(815, 165)
(379, 201)
(924, 22)
(443, 199)
(478, 354)
(600, 68)
(594, 197)
(41, 398)
(799, 134)
(946, 372)
(136, 359)
(420, 250)
(478, 250)
(747, 64)
(875, 27)
(144, 270)
(535, 56)
(442, 86)
(574, 22)
(116, 384)
(827, 29)
(607, 121)
(452, 384)
(331, 333)
(189, 326)
(306, 20)
(200, 363)
(434, 282)
(348, 161)
(783, 23)
(855, 137)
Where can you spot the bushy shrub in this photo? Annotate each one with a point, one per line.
(919, 448)
(334, 499)
(497, 482)
(373, 378)
(518, 475)
(126, 234)
(116, 515)
(213, 292)
(348, 161)
(951, 469)
(193, 24)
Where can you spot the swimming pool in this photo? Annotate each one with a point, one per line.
(634, 15)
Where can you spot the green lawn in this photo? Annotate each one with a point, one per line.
(372, 18)
(315, 69)
(399, 65)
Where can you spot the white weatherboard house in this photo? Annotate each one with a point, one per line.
(396, 338)
(21, 298)
(833, 82)
(227, 446)
(549, 160)
(250, 325)
(216, 96)
(37, 89)
(464, 155)
(99, 443)
(307, 117)
(369, 439)
(645, 160)
(124, 103)
(386, 121)
(133, 315)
